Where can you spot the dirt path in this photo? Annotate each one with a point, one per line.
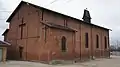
(113, 62)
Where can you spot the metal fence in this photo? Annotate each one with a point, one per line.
(117, 53)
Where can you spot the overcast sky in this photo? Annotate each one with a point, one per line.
(103, 12)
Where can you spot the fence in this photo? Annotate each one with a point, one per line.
(117, 53)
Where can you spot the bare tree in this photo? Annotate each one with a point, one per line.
(115, 45)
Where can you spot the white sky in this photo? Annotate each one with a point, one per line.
(103, 12)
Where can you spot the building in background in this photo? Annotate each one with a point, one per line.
(37, 33)
(3, 50)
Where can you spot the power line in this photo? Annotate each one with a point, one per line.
(56, 1)
(2, 19)
(69, 1)
(6, 11)
(53, 1)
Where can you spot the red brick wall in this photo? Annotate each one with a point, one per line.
(30, 32)
(54, 43)
(35, 48)
(81, 29)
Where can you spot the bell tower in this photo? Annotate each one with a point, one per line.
(86, 16)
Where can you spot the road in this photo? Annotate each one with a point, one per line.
(114, 61)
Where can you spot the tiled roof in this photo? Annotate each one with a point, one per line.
(52, 25)
(3, 43)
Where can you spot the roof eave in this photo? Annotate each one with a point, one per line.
(63, 29)
(5, 32)
(13, 13)
(5, 45)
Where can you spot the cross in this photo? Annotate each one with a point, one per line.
(21, 26)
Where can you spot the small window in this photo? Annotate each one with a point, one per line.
(63, 44)
(86, 40)
(65, 22)
(105, 41)
(97, 41)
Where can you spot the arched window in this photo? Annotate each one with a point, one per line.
(105, 41)
(97, 41)
(86, 40)
(63, 44)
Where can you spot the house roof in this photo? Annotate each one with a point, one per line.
(5, 32)
(4, 44)
(36, 6)
(52, 25)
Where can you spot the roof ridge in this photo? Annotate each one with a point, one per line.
(36, 6)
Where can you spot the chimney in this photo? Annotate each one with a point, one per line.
(86, 16)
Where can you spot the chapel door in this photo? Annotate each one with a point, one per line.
(21, 52)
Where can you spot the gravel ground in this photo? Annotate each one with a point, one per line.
(113, 62)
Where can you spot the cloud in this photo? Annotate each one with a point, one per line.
(103, 12)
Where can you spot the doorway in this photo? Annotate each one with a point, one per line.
(21, 52)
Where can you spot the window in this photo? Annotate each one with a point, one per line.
(65, 22)
(42, 14)
(45, 34)
(63, 44)
(105, 40)
(86, 40)
(97, 41)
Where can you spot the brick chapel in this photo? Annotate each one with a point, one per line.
(40, 34)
